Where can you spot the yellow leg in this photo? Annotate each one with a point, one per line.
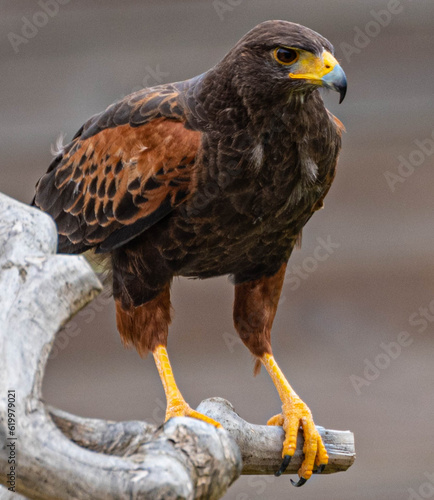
(176, 405)
(295, 413)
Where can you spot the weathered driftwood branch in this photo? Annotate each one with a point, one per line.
(260, 445)
(48, 454)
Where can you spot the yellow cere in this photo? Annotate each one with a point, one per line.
(312, 67)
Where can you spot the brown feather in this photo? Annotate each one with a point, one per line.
(146, 326)
(255, 306)
(120, 176)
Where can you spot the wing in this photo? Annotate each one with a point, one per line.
(124, 170)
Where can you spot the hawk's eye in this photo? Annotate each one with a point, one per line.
(285, 56)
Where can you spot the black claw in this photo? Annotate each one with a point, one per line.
(321, 469)
(284, 466)
(300, 482)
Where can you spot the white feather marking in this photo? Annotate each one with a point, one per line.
(310, 170)
(258, 156)
(58, 147)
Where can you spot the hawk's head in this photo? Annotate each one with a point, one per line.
(279, 57)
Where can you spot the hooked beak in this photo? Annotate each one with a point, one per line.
(323, 71)
(336, 80)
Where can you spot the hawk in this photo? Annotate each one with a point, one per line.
(216, 175)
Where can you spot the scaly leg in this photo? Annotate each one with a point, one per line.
(176, 405)
(145, 326)
(295, 413)
(254, 310)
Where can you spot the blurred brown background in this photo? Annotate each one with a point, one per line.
(338, 314)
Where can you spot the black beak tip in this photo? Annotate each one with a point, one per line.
(342, 93)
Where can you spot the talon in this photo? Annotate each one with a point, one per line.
(295, 417)
(284, 466)
(321, 469)
(300, 482)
